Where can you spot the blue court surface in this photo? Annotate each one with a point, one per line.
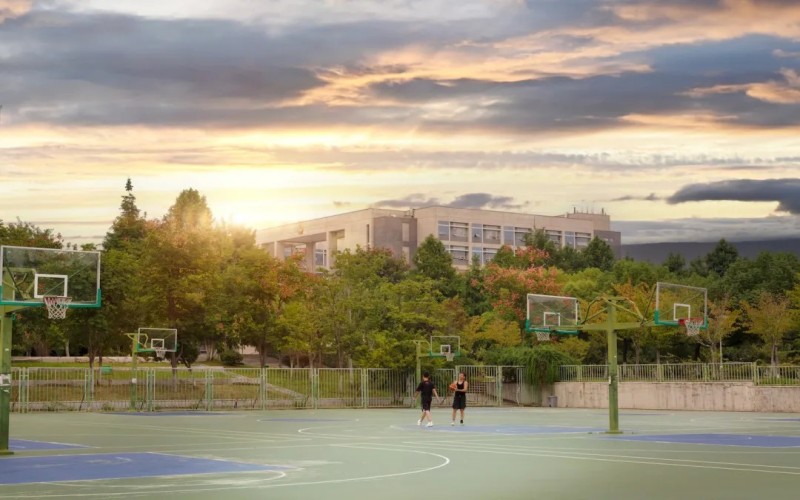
(25, 445)
(720, 439)
(19, 470)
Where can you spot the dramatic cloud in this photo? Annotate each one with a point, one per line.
(650, 197)
(470, 200)
(485, 200)
(276, 108)
(784, 191)
(708, 229)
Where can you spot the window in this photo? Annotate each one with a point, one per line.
(555, 237)
(582, 240)
(491, 234)
(453, 231)
(406, 254)
(508, 235)
(460, 254)
(569, 239)
(320, 257)
(406, 232)
(444, 231)
(515, 236)
(484, 255)
(477, 233)
(459, 231)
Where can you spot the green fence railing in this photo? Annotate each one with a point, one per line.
(686, 372)
(153, 389)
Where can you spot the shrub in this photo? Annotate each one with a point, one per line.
(231, 357)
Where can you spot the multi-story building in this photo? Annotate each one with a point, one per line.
(464, 232)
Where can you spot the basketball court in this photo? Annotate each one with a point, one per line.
(499, 453)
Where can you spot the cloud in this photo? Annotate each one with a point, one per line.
(10, 9)
(707, 229)
(650, 197)
(485, 200)
(784, 191)
(412, 200)
(469, 200)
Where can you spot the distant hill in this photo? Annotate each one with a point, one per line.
(658, 252)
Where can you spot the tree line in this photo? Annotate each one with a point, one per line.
(210, 281)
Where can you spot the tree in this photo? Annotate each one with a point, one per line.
(129, 226)
(508, 288)
(181, 263)
(599, 254)
(721, 257)
(676, 264)
(474, 293)
(721, 320)
(770, 318)
(25, 234)
(433, 261)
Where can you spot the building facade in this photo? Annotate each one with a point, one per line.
(464, 232)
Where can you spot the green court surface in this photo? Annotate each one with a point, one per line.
(502, 453)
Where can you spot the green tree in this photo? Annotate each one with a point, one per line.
(181, 263)
(474, 293)
(433, 261)
(721, 320)
(721, 257)
(770, 318)
(676, 264)
(599, 254)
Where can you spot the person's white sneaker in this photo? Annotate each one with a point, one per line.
(419, 422)
(430, 424)
(453, 423)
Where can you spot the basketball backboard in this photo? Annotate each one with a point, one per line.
(31, 274)
(445, 345)
(155, 340)
(549, 312)
(677, 303)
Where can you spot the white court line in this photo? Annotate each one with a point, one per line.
(613, 455)
(664, 462)
(165, 490)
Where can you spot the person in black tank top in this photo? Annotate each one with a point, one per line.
(460, 397)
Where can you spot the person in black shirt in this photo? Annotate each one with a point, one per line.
(460, 397)
(428, 391)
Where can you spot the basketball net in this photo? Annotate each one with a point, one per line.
(543, 336)
(56, 306)
(449, 356)
(692, 326)
(160, 353)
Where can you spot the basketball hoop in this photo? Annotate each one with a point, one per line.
(449, 356)
(692, 325)
(160, 352)
(56, 306)
(543, 336)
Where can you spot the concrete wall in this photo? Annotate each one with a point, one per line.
(716, 396)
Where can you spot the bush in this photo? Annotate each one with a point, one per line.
(231, 357)
(541, 362)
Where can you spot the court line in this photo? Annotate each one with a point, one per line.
(666, 462)
(166, 490)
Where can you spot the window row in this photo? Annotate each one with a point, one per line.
(482, 233)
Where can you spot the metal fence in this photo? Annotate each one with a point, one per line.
(686, 372)
(153, 389)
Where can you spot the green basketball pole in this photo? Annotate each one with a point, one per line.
(7, 321)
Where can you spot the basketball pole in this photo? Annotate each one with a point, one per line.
(6, 329)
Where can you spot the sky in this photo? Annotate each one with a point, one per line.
(679, 118)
